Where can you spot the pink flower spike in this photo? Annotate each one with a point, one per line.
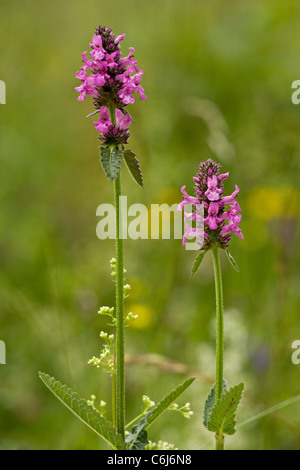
(221, 215)
(108, 78)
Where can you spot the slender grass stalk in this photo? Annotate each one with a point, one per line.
(219, 335)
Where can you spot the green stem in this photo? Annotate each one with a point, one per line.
(219, 442)
(119, 384)
(113, 397)
(219, 334)
(120, 333)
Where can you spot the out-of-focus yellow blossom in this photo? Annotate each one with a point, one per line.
(144, 318)
(268, 203)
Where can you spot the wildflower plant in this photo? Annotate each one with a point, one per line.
(113, 81)
(220, 220)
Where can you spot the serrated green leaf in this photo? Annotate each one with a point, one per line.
(167, 401)
(111, 159)
(210, 402)
(197, 263)
(134, 167)
(146, 421)
(232, 261)
(86, 413)
(222, 417)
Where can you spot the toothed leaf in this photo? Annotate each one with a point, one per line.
(134, 167)
(210, 402)
(197, 263)
(138, 431)
(223, 414)
(232, 261)
(86, 413)
(111, 159)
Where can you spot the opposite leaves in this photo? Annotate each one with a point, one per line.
(86, 413)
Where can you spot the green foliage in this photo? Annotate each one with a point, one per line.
(197, 263)
(232, 261)
(167, 400)
(85, 412)
(137, 439)
(53, 269)
(210, 402)
(222, 416)
(134, 167)
(137, 436)
(111, 159)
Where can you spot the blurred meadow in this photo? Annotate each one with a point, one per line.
(218, 78)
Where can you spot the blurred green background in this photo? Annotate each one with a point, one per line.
(218, 78)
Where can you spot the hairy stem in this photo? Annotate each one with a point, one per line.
(113, 397)
(219, 335)
(119, 384)
(120, 333)
(219, 443)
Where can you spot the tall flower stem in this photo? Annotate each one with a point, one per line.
(120, 327)
(219, 335)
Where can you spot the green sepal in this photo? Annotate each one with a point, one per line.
(86, 413)
(232, 261)
(197, 263)
(223, 414)
(134, 167)
(111, 159)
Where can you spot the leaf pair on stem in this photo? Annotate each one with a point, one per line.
(136, 440)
